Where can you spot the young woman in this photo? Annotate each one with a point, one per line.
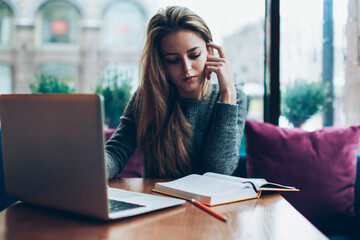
(180, 123)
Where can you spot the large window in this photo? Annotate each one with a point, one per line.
(58, 22)
(124, 26)
(312, 63)
(6, 20)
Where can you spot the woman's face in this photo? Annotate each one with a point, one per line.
(185, 54)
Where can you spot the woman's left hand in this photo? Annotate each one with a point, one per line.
(220, 66)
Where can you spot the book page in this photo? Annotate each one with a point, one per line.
(205, 186)
(257, 182)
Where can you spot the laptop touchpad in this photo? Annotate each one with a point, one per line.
(114, 193)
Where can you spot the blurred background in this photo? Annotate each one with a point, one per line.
(94, 46)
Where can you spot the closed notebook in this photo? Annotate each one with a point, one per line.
(214, 189)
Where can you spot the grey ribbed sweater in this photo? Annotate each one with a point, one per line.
(217, 130)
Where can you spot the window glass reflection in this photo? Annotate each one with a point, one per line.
(59, 23)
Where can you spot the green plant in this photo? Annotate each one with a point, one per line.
(49, 84)
(302, 100)
(115, 90)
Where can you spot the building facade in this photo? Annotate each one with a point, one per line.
(77, 41)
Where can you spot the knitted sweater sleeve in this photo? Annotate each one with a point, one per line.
(122, 144)
(221, 152)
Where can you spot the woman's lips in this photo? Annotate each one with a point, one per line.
(189, 79)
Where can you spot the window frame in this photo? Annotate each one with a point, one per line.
(272, 62)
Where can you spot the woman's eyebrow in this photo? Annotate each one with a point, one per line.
(190, 50)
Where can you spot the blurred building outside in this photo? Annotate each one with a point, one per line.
(80, 40)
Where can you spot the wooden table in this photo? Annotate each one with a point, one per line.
(270, 217)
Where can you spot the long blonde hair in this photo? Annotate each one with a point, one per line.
(163, 133)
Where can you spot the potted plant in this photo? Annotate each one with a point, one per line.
(115, 89)
(304, 99)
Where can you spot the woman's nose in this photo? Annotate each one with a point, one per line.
(186, 65)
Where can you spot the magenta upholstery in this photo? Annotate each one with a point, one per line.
(108, 133)
(322, 164)
(133, 167)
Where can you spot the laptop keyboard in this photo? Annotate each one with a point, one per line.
(115, 206)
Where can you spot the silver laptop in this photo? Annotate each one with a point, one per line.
(53, 152)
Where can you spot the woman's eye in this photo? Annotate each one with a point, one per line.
(195, 56)
(172, 61)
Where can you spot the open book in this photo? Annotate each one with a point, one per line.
(214, 188)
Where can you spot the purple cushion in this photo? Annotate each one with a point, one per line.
(322, 164)
(108, 133)
(133, 168)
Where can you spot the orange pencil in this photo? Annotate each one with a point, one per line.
(209, 210)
